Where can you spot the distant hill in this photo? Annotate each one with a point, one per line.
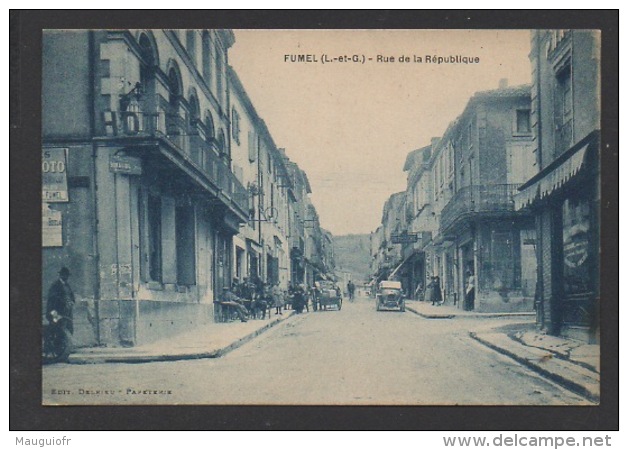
(352, 254)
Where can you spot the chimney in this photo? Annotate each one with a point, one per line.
(503, 83)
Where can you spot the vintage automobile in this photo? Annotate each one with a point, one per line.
(390, 296)
(329, 296)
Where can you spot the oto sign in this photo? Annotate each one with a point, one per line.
(54, 175)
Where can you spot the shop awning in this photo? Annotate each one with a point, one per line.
(392, 274)
(554, 176)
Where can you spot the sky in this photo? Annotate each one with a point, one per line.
(350, 125)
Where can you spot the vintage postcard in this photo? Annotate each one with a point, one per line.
(321, 217)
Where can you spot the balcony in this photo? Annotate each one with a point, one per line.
(487, 200)
(193, 146)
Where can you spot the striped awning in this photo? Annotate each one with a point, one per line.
(552, 180)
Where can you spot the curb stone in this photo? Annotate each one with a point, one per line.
(144, 358)
(587, 386)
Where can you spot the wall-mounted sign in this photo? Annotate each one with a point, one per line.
(52, 228)
(54, 175)
(404, 238)
(125, 164)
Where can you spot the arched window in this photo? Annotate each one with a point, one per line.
(221, 143)
(196, 145)
(175, 121)
(210, 133)
(194, 115)
(148, 64)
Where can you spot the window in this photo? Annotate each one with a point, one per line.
(563, 110)
(185, 245)
(470, 136)
(153, 217)
(252, 147)
(523, 121)
(190, 44)
(219, 80)
(206, 57)
(235, 125)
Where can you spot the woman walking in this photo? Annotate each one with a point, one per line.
(277, 297)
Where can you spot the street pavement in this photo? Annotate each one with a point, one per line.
(571, 363)
(355, 356)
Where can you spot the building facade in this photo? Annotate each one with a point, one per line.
(460, 207)
(160, 185)
(564, 195)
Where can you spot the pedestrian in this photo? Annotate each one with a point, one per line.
(350, 289)
(469, 295)
(433, 293)
(315, 296)
(232, 301)
(418, 293)
(437, 297)
(61, 299)
(298, 299)
(277, 297)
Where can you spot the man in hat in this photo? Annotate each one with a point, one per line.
(231, 300)
(61, 299)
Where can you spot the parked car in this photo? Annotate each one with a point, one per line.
(390, 296)
(330, 295)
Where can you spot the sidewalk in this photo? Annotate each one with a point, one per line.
(209, 341)
(573, 364)
(429, 311)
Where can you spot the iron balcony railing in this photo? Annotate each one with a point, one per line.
(477, 199)
(200, 151)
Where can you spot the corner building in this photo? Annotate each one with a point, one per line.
(146, 207)
(564, 196)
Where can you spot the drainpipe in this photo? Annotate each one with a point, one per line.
(94, 186)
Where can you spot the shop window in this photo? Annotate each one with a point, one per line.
(239, 264)
(577, 273)
(185, 245)
(501, 267)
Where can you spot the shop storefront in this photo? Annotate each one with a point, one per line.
(565, 198)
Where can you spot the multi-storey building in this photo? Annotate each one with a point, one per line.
(146, 206)
(564, 195)
(422, 220)
(161, 184)
(460, 206)
(394, 223)
(297, 222)
(484, 159)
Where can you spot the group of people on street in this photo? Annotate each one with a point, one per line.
(433, 292)
(251, 298)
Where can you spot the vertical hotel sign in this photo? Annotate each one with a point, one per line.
(54, 175)
(54, 190)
